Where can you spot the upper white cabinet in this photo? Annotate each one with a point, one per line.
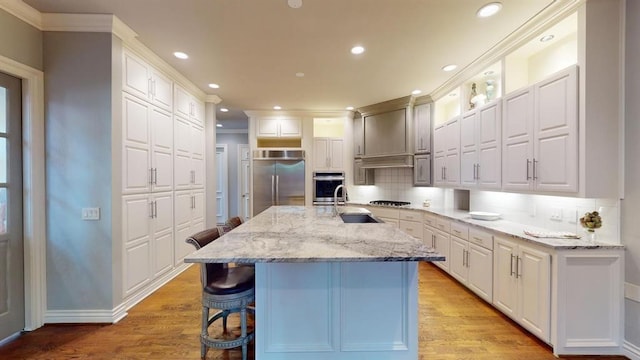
(422, 170)
(148, 147)
(328, 154)
(422, 128)
(522, 285)
(447, 153)
(540, 136)
(189, 155)
(480, 147)
(279, 128)
(144, 81)
(358, 136)
(187, 106)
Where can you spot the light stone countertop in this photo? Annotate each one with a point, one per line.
(507, 229)
(312, 234)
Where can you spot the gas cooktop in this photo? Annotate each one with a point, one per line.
(389, 203)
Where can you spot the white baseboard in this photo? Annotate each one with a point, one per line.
(116, 314)
(631, 351)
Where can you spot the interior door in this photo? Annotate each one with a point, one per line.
(245, 182)
(11, 237)
(222, 202)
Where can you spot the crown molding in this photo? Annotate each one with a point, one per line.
(547, 17)
(213, 99)
(77, 22)
(300, 113)
(23, 12)
(386, 106)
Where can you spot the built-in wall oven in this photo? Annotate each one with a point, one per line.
(324, 185)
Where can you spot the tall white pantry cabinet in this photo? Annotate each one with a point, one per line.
(162, 173)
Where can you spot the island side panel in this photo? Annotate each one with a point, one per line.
(338, 311)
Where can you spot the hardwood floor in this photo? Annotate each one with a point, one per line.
(454, 324)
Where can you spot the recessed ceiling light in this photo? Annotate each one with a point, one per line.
(214, 86)
(489, 9)
(449, 67)
(357, 50)
(349, 108)
(277, 107)
(300, 74)
(546, 38)
(180, 55)
(224, 109)
(294, 4)
(218, 125)
(416, 91)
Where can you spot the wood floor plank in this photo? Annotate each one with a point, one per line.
(454, 325)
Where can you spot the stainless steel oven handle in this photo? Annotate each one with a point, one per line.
(277, 189)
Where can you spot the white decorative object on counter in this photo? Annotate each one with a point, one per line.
(482, 215)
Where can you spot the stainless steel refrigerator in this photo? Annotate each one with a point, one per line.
(278, 178)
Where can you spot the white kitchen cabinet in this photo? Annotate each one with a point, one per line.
(422, 170)
(358, 135)
(388, 215)
(189, 219)
(472, 262)
(362, 176)
(279, 128)
(411, 223)
(480, 147)
(328, 154)
(422, 128)
(447, 153)
(147, 147)
(436, 235)
(540, 136)
(522, 285)
(188, 155)
(187, 106)
(144, 81)
(148, 238)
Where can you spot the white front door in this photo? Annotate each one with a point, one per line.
(222, 194)
(12, 312)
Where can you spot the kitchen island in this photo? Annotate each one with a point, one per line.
(326, 289)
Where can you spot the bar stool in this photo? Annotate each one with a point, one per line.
(228, 289)
(234, 222)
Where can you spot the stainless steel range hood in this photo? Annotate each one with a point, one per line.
(387, 161)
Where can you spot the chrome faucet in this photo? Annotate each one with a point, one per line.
(335, 198)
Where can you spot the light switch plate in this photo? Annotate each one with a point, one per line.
(91, 213)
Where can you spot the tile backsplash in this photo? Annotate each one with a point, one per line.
(554, 213)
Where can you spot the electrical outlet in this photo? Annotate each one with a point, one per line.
(556, 214)
(91, 213)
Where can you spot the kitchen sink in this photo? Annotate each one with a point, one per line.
(359, 218)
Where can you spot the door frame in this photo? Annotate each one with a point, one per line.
(222, 171)
(241, 201)
(34, 214)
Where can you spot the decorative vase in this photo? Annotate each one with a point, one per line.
(591, 236)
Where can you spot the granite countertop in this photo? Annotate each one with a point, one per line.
(508, 229)
(312, 234)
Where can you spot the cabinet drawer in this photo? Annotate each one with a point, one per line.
(410, 215)
(391, 221)
(443, 225)
(429, 220)
(412, 228)
(460, 231)
(481, 238)
(385, 212)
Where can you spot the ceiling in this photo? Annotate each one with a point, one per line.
(254, 48)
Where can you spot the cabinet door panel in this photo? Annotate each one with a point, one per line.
(358, 136)
(182, 102)
(162, 88)
(135, 77)
(504, 280)
(136, 175)
(197, 166)
(197, 113)
(183, 136)
(422, 170)
(452, 169)
(197, 141)
(135, 217)
(182, 173)
(489, 170)
(267, 127)
(516, 166)
(422, 121)
(290, 128)
(457, 265)
(468, 166)
(162, 171)
(442, 247)
(183, 208)
(534, 291)
(320, 153)
(137, 267)
(163, 253)
(336, 154)
(480, 266)
(181, 248)
(438, 170)
(198, 207)
(161, 129)
(136, 121)
(163, 209)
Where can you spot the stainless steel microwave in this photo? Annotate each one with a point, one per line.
(324, 185)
